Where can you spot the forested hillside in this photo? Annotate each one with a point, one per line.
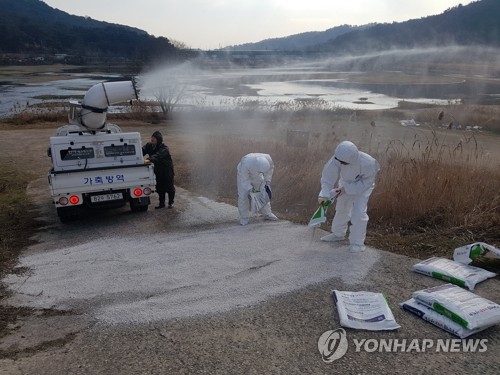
(33, 27)
(470, 25)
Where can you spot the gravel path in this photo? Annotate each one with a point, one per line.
(189, 291)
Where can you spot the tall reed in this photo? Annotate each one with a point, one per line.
(425, 183)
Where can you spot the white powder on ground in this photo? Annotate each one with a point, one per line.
(139, 278)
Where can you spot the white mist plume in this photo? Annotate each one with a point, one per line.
(440, 75)
(484, 59)
(168, 78)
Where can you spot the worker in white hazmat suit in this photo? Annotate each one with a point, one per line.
(355, 172)
(254, 175)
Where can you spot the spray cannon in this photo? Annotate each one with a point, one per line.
(90, 113)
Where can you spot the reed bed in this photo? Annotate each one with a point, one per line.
(426, 188)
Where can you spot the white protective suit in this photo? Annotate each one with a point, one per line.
(357, 181)
(255, 171)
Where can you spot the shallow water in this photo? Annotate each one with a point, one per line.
(17, 98)
(287, 88)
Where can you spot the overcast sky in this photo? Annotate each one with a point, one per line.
(210, 24)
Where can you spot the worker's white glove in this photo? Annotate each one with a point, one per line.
(337, 192)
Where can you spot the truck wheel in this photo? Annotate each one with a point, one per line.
(139, 204)
(67, 214)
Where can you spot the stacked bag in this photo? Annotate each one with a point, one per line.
(454, 309)
(453, 272)
(449, 306)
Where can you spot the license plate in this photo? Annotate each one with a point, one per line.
(106, 197)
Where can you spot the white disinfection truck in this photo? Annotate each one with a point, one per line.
(94, 163)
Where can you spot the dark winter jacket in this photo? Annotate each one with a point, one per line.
(160, 157)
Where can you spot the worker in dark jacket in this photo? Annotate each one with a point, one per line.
(159, 155)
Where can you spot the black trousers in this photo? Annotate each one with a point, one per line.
(166, 187)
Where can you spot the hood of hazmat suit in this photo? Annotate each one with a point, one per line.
(347, 152)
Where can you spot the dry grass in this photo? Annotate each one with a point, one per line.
(430, 197)
(485, 116)
(22, 115)
(429, 191)
(434, 192)
(16, 225)
(16, 221)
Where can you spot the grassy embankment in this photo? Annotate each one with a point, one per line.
(432, 195)
(16, 226)
(16, 223)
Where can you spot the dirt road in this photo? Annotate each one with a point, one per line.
(189, 291)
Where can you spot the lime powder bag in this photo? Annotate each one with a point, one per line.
(453, 272)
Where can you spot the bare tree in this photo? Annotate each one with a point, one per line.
(170, 85)
(169, 96)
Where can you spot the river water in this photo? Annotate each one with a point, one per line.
(284, 87)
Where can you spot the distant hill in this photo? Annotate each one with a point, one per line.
(297, 42)
(33, 27)
(471, 25)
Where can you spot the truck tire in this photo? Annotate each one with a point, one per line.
(67, 214)
(139, 204)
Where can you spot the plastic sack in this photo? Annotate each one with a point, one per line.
(452, 272)
(437, 319)
(258, 199)
(319, 217)
(463, 307)
(364, 310)
(467, 254)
